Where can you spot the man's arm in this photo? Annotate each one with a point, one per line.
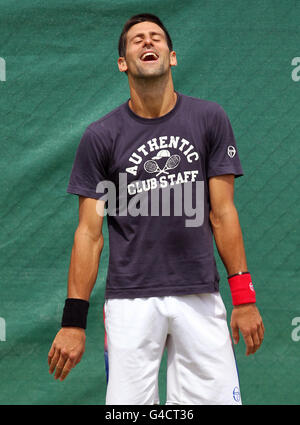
(69, 343)
(229, 241)
(86, 251)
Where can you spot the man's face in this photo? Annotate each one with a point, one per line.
(147, 52)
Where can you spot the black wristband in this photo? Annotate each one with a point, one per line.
(75, 313)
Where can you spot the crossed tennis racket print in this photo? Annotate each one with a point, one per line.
(151, 166)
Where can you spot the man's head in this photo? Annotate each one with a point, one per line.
(145, 47)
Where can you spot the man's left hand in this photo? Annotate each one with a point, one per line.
(246, 318)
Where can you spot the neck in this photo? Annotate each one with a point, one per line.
(152, 98)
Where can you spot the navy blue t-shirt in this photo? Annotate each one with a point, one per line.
(158, 170)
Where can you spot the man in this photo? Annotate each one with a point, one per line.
(162, 286)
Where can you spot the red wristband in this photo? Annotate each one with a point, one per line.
(241, 288)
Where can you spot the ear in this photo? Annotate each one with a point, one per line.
(173, 58)
(122, 64)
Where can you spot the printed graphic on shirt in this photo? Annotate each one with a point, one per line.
(156, 159)
(151, 166)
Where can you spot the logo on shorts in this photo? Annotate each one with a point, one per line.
(251, 286)
(231, 151)
(236, 394)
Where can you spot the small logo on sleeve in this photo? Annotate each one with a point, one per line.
(231, 151)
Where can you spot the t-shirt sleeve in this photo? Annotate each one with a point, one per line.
(89, 167)
(223, 155)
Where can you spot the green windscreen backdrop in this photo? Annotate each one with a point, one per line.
(58, 73)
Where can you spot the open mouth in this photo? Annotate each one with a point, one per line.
(149, 57)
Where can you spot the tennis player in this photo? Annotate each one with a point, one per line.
(162, 288)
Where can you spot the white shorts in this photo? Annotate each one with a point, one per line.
(201, 367)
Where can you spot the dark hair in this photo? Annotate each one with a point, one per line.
(136, 19)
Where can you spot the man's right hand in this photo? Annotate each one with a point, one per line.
(66, 351)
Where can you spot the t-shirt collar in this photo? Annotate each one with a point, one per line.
(154, 120)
